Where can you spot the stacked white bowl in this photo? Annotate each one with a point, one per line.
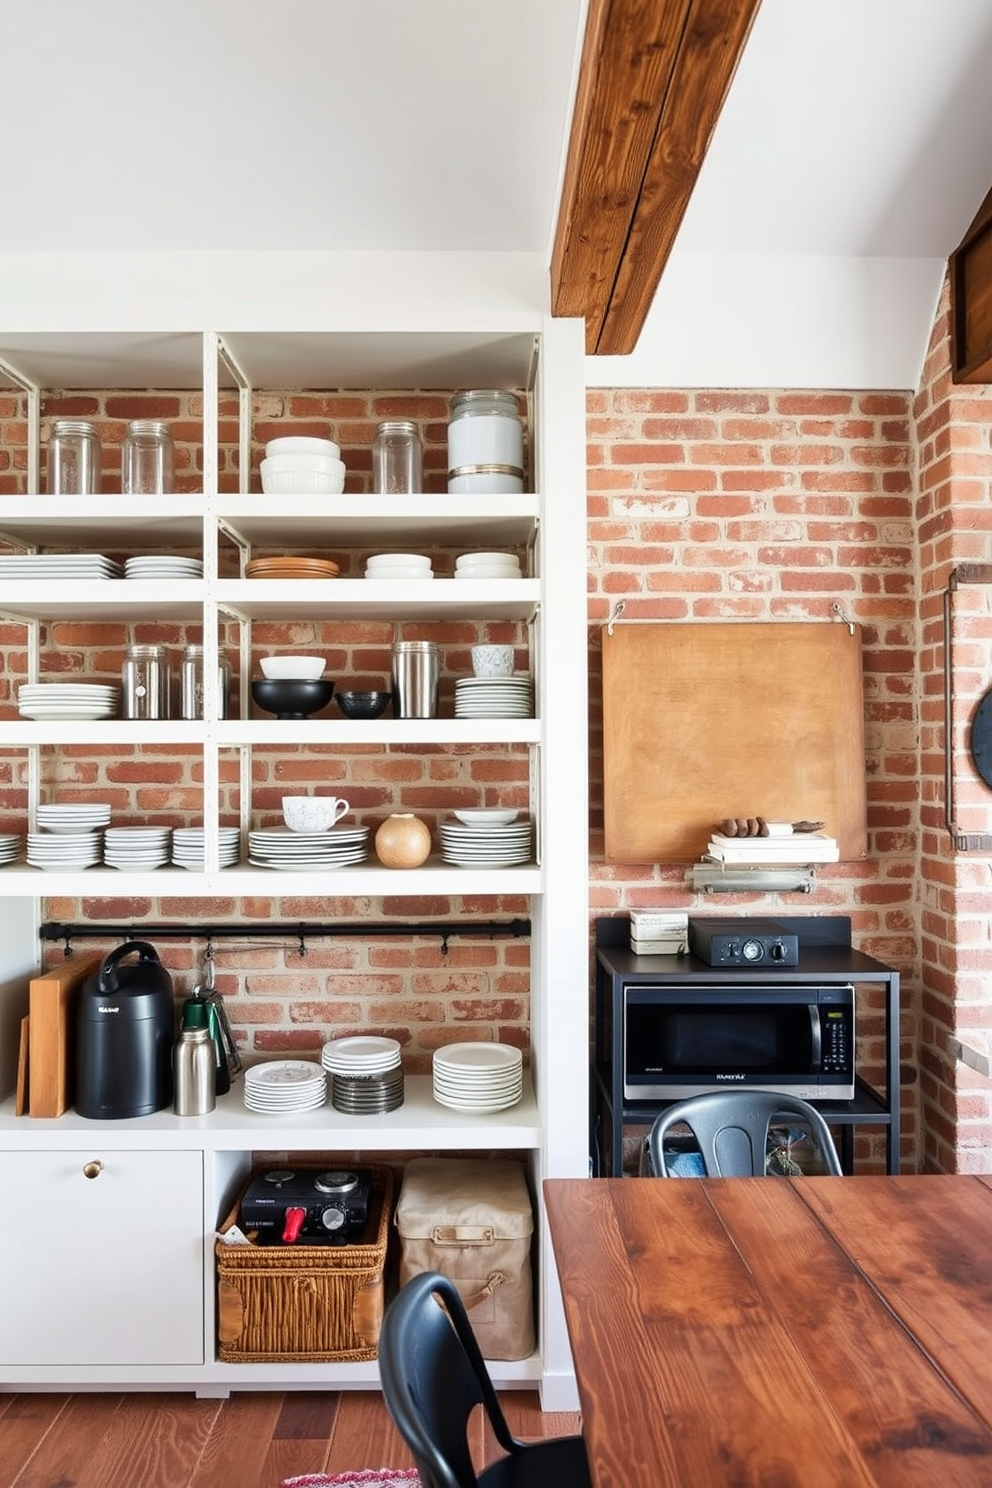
(298, 465)
(398, 566)
(488, 566)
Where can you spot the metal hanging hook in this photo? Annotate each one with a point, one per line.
(208, 967)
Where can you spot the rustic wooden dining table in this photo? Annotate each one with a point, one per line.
(780, 1333)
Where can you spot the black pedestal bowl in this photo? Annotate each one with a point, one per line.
(292, 697)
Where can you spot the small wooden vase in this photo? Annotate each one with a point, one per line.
(403, 841)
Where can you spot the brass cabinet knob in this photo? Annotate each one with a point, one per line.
(93, 1169)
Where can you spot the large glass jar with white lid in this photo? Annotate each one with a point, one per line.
(147, 459)
(73, 458)
(485, 442)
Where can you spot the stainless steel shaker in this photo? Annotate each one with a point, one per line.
(195, 1073)
(416, 677)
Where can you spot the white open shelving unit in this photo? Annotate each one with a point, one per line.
(118, 1292)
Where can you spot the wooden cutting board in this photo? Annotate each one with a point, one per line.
(51, 999)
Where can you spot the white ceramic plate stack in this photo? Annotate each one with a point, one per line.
(488, 566)
(478, 1078)
(10, 846)
(485, 845)
(306, 852)
(64, 852)
(398, 566)
(495, 697)
(285, 1086)
(136, 849)
(52, 700)
(187, 847)
(366, 1074)
(58, 566)
(87, 816)
(163, 566)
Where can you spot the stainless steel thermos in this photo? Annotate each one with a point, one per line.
(194, 1073)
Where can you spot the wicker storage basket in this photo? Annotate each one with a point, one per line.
(318, 1302)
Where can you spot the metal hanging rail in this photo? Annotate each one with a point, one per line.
(300, 931)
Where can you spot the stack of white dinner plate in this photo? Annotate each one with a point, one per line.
(478, 1077)
(366, 1076)
(398, 566)
(86, 816)
(64, 852)
(305, 852)
(10, 846)
(485, 844)
(488, 566)
(284, 1086)
(68, 566)
(163, 566)
(136, 849)
(51, 700)
(495, 697)
(188, 852)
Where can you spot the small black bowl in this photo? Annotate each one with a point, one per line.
(292, 697)
(363, 704)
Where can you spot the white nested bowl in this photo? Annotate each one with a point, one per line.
(399, 572)
(302, 444)
(282, 464)
(302, 482)
(489, 571)
(398, 560)
(473, 560)
(487, 816)
(292, 668)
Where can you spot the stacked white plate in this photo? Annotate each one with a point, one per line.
(366, 1076)
(284, 1086)
(398, 566)
(136, 849)
(64, 852)
(50, 700)
(305, 852)
(478, 1077)
(163, 566)
(485, 846)
(58, 566)
(188, 852)
(87, 816)
(488, 566)
(10, 846)
(495, 697)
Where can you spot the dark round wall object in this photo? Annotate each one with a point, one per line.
(981, 738)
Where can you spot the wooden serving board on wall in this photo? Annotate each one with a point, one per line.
(704, 721)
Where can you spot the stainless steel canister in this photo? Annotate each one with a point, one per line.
(194, 1073)
(73, 458)
(145, 682)
(416, 676)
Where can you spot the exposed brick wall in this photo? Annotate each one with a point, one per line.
(954, 518)
(764, 505)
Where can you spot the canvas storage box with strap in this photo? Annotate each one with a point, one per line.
(472, 1220)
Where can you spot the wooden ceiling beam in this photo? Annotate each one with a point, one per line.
(653, 79)
(970, 268)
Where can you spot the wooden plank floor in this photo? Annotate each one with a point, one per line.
(247, 1441)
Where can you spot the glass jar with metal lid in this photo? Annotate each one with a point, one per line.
(485, 442)
(397, 458)
(73, 458)
(145, 682)
(191, 683)
(147, 459)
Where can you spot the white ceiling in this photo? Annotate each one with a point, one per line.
(854, 149)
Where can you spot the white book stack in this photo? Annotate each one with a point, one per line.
(773, 852)
(659, 932)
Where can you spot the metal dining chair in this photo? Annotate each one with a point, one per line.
(731, 1129)
(433, 1376)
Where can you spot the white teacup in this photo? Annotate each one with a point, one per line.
(313, 813)
(492, 661)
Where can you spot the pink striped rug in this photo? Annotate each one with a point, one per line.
(375, 1477)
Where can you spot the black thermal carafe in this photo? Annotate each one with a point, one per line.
(125, 1031)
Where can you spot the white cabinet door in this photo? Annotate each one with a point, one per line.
(102, 1269)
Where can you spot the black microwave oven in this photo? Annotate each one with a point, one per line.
(693, 1039)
